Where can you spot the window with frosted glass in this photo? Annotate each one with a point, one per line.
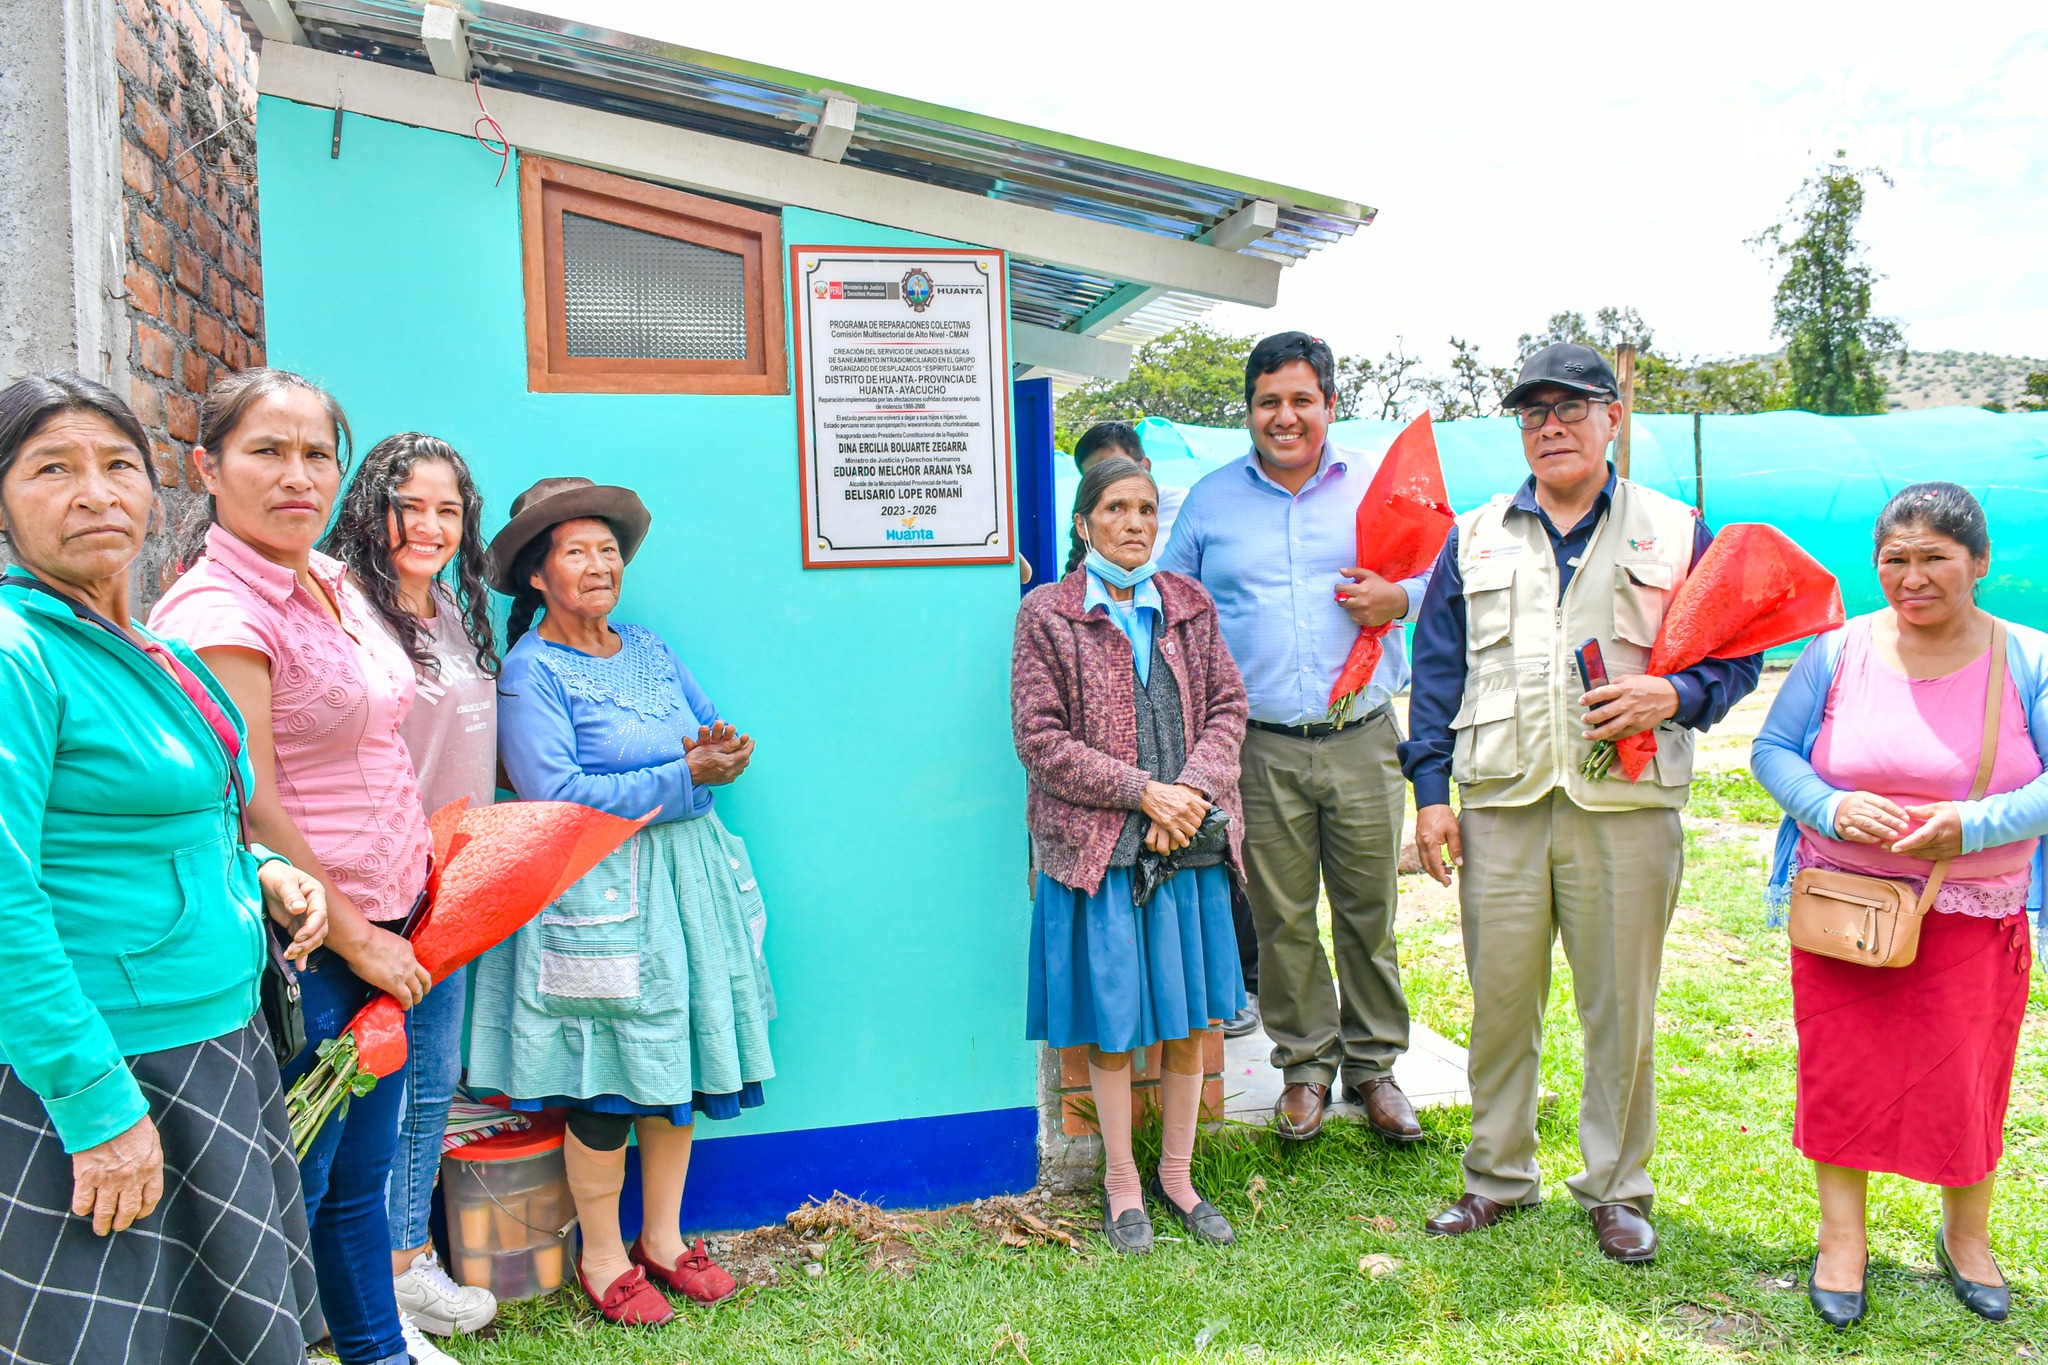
(632, 293)
(633, 287)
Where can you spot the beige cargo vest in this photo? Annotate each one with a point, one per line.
(1518, 731)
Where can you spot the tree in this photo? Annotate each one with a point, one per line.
(1381, 388)
(1611, 327)
(1756, 384)
(2035, 398)
(1666, 383)
(1193, 374)
(1473, 388)
(1822, 306)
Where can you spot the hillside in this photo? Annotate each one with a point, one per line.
(1931, 379)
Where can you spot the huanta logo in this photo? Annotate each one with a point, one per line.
(918, 290)
(907, 533)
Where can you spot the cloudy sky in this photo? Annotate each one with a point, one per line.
(1609, 155)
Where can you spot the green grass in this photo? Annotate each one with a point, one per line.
(1731, 794)
(1735, 1210)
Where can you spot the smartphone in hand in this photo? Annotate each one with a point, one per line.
(1592, 666)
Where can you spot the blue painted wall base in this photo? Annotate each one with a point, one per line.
(746, 1182)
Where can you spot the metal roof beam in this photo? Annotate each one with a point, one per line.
(276, 22)
(833, 131)
(1114, 309)
(741, 170)
(447, 44)
(1069, 353)
(1254, 222)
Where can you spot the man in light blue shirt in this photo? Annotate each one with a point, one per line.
(1272, 537)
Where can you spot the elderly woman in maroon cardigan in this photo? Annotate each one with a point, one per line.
(1128, 713)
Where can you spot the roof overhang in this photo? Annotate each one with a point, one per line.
(1106, 245)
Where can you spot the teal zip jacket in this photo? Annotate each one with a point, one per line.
(132, 913)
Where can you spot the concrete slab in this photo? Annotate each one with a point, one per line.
(1431, 1073)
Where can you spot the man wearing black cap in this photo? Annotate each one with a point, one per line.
(1577, 554)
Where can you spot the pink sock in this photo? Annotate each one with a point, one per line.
(1181, 1098)
(1113, 1117)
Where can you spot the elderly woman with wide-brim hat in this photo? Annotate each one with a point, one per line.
(640, 999)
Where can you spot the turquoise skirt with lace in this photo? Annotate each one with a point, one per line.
(645, 981)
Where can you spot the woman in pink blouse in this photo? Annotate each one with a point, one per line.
(324, 688)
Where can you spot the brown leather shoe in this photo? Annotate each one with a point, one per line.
(1471, 1213)
(1624, 1234)
(1298, 1113)
(1387, 1110)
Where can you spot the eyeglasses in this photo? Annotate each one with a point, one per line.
(1536, 415)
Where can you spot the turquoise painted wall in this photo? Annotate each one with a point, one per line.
(885, 807)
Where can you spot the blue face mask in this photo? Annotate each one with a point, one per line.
(1116, 575)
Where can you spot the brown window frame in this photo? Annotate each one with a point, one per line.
(548, 188)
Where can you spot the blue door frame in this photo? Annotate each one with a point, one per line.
(1038, 522)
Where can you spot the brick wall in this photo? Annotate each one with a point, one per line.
(193, 279)
(1074, 1098)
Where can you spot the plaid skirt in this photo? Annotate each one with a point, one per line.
(219, 1272)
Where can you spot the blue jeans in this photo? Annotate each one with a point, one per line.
(433, 1064)
(344, 1177)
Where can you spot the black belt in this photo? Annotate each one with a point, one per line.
(1322, 728)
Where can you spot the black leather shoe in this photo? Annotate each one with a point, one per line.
(1244, 1021)
(1131, 1232)
(1203, 1222)
(1989, 1301)
(1839, 1309)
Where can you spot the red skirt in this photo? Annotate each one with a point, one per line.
(1909, 1069)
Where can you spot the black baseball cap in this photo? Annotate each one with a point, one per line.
(1566, 365)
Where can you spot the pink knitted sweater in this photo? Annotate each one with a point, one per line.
(1076, 728)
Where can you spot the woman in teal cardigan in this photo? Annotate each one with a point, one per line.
(135, 1090)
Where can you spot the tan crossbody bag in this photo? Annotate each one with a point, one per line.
(1875, 920)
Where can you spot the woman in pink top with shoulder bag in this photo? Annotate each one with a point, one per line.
(324, 688)
(1877, 749)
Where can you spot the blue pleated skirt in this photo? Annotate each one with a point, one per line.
(1120, 976)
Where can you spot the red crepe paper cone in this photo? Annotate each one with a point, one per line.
(494, 869)
(1403, 520)
(1753, 590)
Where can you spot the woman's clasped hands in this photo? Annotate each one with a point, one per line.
(1176, 812)
(719, 754)
(1867, 818)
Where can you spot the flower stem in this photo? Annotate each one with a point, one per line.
(332, 1079)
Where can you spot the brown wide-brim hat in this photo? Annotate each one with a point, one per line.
(551, 502)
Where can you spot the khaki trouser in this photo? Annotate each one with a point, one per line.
(1606, 883)
(1327, 812)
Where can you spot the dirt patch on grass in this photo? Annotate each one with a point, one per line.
(889, 1241)
(1724, 1325)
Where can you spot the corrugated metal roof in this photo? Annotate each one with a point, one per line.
(664, 82)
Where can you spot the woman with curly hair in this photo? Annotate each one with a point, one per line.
(409, 530)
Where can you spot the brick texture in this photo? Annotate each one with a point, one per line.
(1076, 1105)
(188, 167)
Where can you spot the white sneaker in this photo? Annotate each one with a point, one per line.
(422, 1351)
(429, 1296)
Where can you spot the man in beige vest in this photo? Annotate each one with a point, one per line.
(1498, 704)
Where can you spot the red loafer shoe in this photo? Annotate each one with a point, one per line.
(695, 1276)
(631, 1301)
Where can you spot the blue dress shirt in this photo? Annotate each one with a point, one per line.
(1134, 618)
(604, 733)
(1705, 691)
(1273, 561)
